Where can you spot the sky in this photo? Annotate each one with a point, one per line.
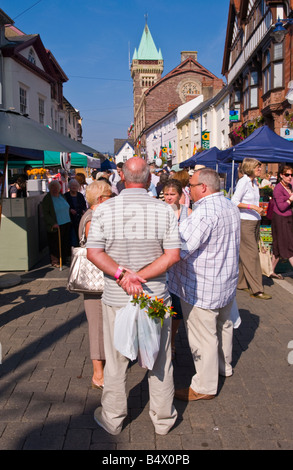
(94, 40)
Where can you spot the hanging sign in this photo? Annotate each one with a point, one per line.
(65, 160)
(205, 139)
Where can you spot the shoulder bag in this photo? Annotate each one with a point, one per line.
(84, 277)
(265, 259)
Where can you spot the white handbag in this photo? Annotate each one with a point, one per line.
(265, 259)
(84, 277)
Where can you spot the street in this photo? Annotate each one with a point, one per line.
(46, 402)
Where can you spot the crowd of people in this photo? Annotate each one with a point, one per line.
(199, 248)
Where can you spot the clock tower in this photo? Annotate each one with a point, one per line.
(146, 69)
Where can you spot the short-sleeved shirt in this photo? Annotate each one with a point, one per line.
(134, 230)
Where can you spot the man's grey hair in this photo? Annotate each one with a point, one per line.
(134, 176)
(210, 178)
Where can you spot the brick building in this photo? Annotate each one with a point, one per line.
(257, 67)
(155, 96)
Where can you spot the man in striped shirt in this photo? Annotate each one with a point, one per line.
(134, 240)
(206, 280)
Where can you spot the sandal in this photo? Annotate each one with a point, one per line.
(261, 295)
(56, 265)
(99, 387)
(277, 276)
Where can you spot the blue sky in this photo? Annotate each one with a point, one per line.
(91, 41)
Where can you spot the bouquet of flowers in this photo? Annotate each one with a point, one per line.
(155, 308)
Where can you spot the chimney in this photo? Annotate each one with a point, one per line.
(186, 54)
(4, 20)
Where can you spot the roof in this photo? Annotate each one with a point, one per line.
(188, 65)
(119, 144)
(147, 49)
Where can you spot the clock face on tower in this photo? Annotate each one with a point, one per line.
(189, 88)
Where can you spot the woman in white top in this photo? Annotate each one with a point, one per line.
(246, 197)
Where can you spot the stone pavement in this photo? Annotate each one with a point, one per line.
(46, 402)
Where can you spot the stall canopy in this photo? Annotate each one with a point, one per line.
(207, 157)
(18, 158)
(108, 165)
(17, 130)
(211, 158)
(264, 145)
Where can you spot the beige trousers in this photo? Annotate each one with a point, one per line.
(161, 386)
(210, 336)
(249, 265)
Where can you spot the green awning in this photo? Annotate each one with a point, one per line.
(52, 159)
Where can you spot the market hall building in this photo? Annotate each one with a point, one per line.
(155, 96)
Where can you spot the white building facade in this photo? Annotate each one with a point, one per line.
(163, 139)
(31, 81)
(204, 127)
(124, 153)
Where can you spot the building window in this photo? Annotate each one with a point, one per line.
(147, 81)
(267, 72)
(278, 66)
(223, 141)
(250, 91)
(31, 56)
(61, 126)
(41, 111)
(23, 100)
(223, 111)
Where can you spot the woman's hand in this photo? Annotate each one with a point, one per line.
(260, 210)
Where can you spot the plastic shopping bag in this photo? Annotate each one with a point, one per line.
(125, 330)
(234, 315)
(149, 337)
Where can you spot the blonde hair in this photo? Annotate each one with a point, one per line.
(182, 176)
(249, 165)
(97, 189)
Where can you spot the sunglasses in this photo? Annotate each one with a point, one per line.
(287, 174)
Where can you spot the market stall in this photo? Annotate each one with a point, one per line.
(22, 236)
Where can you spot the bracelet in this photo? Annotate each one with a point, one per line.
(118, 272)
(248, 206)
(122, 275)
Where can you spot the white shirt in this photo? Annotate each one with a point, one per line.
(247, 192)
(207, 274)
(134, 229)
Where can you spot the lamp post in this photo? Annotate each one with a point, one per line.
(279, 31)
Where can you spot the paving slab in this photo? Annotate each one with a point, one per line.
(46, 402)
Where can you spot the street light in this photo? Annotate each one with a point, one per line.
(279, 32)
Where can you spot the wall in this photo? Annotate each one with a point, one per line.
(14, 75)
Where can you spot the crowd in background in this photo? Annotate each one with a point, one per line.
(68, 208)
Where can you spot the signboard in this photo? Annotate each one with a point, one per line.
(205, 140)
(286, 133)
(234, 115)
